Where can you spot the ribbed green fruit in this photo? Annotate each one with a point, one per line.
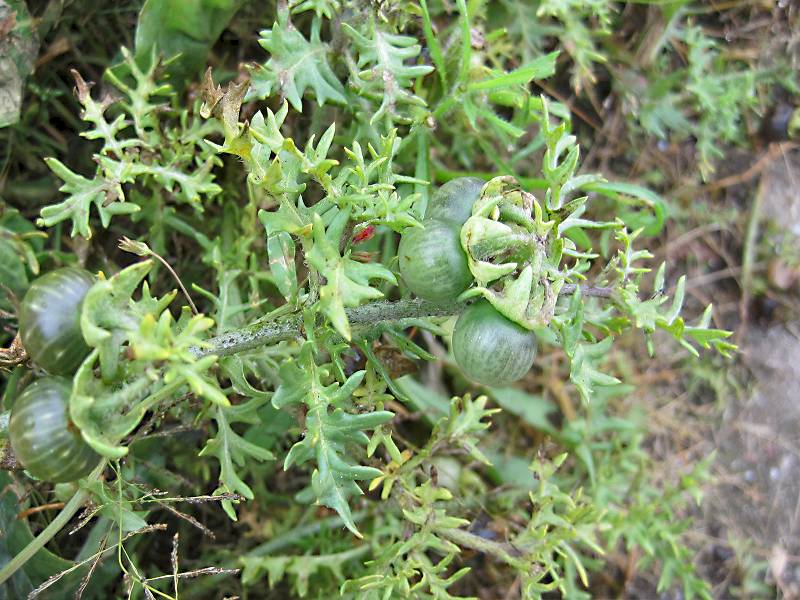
(453, 201)
(49, 320)
(42, 436)
(489, 348)
(432, 262)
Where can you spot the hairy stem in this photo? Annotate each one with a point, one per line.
(504, 551)
(263, 334)
(69, 510)
(587, 291)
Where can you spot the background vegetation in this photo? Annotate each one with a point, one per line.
(648, 131)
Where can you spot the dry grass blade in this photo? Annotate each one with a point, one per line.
(96, 557)
(92, 567)
(189, 519)
(42, 507)
(173, 557)
(199, 573)
(87, 515)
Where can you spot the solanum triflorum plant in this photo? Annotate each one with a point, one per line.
(327, 255)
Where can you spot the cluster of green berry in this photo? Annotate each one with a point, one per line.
(44, 439)
(489, 348)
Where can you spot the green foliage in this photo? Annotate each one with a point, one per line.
(381, 72)
(19, 243)
(272, 386)
(106, 412)
(708, 99)
(181, 167)
(232, 450)
(583, 23)
(637, 510)
(347, 280)
(305, 571)
(407, 560)
(295, 64)
(182, 31)
(17, 535)
(326, 8)
(676, 79)
(329, 429)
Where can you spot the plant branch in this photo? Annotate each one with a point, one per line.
(508, 553)
(263, 334)
(589, 291)
(142, 249)
(49, 532)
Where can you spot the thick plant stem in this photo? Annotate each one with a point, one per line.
(251, 337)
(73, 506)
(586, 291)
(69, 510)
(505, 552)
(263, 334)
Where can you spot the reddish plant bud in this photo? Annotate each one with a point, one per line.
(364, 234)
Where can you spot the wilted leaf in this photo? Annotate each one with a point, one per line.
(19, 44)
